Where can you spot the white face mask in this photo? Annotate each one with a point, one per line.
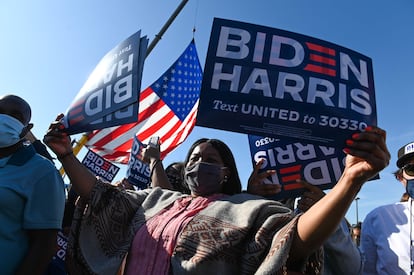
(10, 130)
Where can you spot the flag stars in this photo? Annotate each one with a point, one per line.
(180, 87)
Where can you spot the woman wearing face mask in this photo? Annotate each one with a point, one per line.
(210, 168)
(186, 176)
(216, 229)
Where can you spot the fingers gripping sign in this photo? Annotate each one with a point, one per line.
(259, 184)
(367, 153)
(57, 139)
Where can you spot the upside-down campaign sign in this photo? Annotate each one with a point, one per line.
(270, 82)
(317, 164)
(100, 166)
(138, 172)
(110, 95)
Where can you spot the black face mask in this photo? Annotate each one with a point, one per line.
(204, 178)
(410, 188)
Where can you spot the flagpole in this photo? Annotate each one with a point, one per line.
(84, 139)
(165, 27)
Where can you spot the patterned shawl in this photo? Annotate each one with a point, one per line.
(239, 234)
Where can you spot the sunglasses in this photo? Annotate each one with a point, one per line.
(409, 169)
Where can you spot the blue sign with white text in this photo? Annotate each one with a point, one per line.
(138, 172)
(110, 95)
(317, 164)
(270, 82)
(100, 166)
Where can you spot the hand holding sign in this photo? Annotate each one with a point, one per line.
(138, 172)
(151, 153)
(259, 184)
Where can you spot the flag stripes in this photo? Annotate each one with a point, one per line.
(168, 109)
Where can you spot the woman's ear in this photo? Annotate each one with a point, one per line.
(226, 172)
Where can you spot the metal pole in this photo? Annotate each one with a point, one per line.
(356, 206)
(165, 27)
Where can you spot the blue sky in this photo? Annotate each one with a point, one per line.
(50, 47)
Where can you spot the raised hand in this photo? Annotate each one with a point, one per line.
(258, 184)
(81, 178)
(57, 140)
(367, 154)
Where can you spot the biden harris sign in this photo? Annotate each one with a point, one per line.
(270, 82)
(110, 95)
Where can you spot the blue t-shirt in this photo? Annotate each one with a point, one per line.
(32, 196)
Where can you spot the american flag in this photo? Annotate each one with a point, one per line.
(168, 109)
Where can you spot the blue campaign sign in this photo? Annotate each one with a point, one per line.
(120, 117)
(100, 166)
(270, 82)
(317, 164)
(109, 97)
(57, 264)
(138, 172)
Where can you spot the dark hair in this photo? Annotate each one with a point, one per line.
(233, 184)
(398, 173)
(175, 175)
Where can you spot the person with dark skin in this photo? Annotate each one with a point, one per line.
(32, 195)
(211, 174)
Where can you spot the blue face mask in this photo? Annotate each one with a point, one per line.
(10, 130)
(410, 188)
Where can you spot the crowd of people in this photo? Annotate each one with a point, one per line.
(195, 218)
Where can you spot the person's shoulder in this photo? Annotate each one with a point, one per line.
(41, 149)
(41, 167)
(244, 196)
(43, 161)
(250, 199)
(387, 209)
